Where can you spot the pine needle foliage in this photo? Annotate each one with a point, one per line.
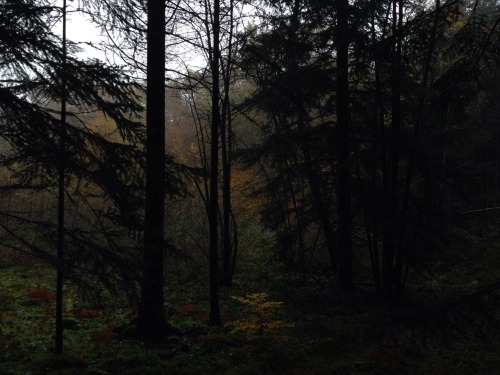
(104, 176)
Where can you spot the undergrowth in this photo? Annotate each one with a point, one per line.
(299, 330)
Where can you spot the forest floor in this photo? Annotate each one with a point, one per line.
(268, 329)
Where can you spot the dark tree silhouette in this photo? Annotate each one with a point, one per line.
(60, 194)
(344, 270)
(213, 209)
(46, 149)
(151, 322)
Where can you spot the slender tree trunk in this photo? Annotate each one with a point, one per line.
(214, 314)
(378, 132)
(344, 271)
(60, 200)
(399, 256)
(151, 321)
(226, 276)
(392, 256)
(226, 154)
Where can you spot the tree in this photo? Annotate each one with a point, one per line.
(214, 314)
(208, 28)
(406, 121)
(229, 240)
(60, 194)
(151, 322)
(344, 272)
(291, 66)
(392, 277)
(137, 35)
(200, 23)
(44, 147)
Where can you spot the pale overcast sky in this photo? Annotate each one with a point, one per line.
(81, 30)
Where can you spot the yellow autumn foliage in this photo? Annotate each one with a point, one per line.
(262, 309)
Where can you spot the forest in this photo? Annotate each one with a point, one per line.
(250, 187)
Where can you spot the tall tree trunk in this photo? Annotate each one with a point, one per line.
(392, 256)
(226, 153)
(344, 270)
(151, 321)
(60, 199)
(378, 134)
(214, 314)
(226, 274)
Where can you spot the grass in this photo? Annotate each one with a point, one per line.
(296, 330)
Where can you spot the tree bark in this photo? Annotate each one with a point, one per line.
(392, 257)
(60, 199)
(228, 255)
(151, 321)
(214, 313)
(344, 270)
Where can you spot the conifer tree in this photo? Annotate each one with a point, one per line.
(32, 60)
